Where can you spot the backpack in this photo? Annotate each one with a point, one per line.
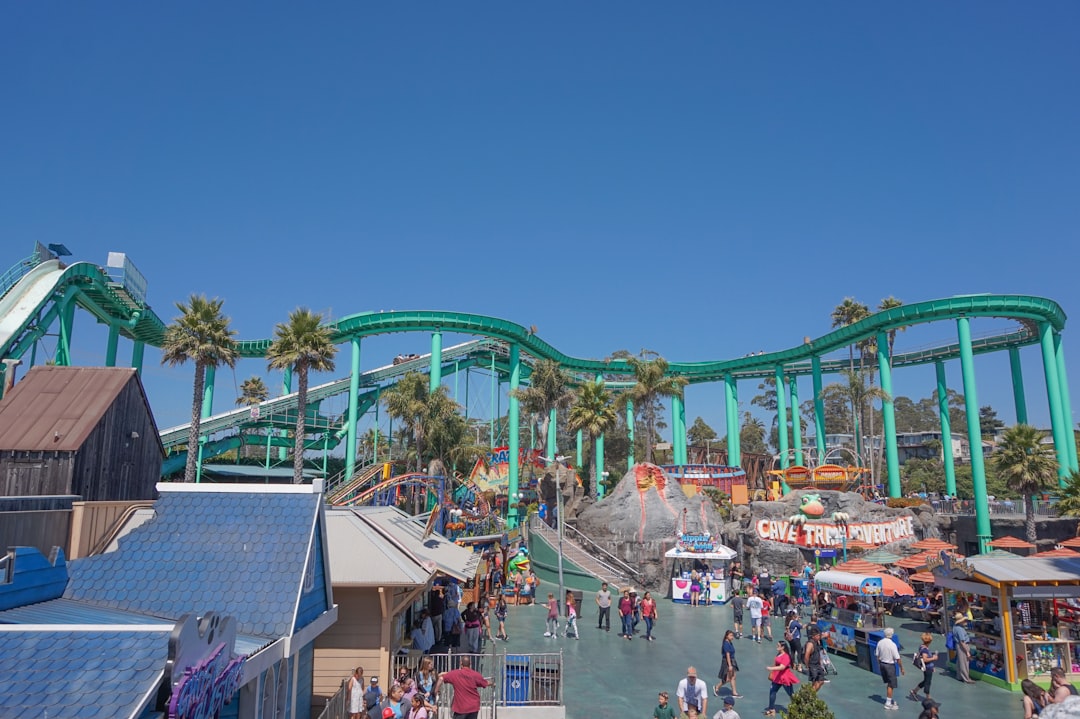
(950, 641)
(917, 661)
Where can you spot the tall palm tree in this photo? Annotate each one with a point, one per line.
(407, 401)
(847, 313)
(1027, 465)
(593, 413)
(650, 371)
(303, 344)
(201, 334)
(549, 388)
(860, 394)
(890, 303)
(253, 391)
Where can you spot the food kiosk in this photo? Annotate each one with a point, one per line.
(1022, 627)
(711, 559)
(853, 623)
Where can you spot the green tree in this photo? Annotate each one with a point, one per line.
(302, 344)
(752, 435)
(1069, 503)
(446, 432)
(653, 382)
(201, 334)
(806, 704)
(890, 303)
(407, 401)
(252, 392)
(700, 432)
(1027, 466)
(593, 413)
(549, 388)
(847, 313)
(989, 423)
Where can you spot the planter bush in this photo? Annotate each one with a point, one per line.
(806, 704)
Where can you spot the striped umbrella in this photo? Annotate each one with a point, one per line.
(881, 556)
(923, 577)
(932, 545)
(1011, 543)
(1058, 552)
(1074, 543)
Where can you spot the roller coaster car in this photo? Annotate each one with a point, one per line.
(401, 359)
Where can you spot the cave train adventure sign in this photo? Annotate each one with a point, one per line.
(832, 535)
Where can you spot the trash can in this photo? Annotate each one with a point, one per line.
(578, 598)
(516, 680)
(872, 640)
(864, 655)
(546, 675)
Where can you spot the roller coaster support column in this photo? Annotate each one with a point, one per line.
(494, 385)
(580, 447)
(67, 320)
(819, 410)
(676, 436)
(946, 430)
(731, 403)
(512, 514)
(286, 388)
(1066, 403)
(888, 414)
(137, 356)
(630, 433)
(354, 410)
(110, 348)
(435, 378)
(552, 438)
(1053, 392)
(781, 417)
(600, 457)
(1018, 385)
(796, 421)
(207, 411)
(971, 406)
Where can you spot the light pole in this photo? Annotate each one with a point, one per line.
(559, 522)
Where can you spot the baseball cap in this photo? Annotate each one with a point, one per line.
(729, 701)
(374, 680)
(929, 704)
(387, 713)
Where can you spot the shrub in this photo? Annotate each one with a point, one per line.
(903, 502)
(806, 704)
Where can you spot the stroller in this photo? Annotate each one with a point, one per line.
(826, 663)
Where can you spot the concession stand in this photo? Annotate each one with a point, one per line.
(704, 553)
(1024, 621)
(853, 624)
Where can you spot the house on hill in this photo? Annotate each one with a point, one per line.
(85, 431)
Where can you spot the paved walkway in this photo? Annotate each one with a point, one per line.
(608, 677)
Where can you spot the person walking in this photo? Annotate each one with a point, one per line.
(356, 693)
(500, 615)
(648, 613)
(728, 665)
(663, 710)
(738, 604)
(766, 617)
(781, 676)
(693, 694)
(695, 587)
(815, 668)
(603, 603)
(793, 636)
(927, 658)
(552, 617)
(467, 684)
(756, 606)
(888, 657)
(626, 613)
(963, 648)
(571, 617)
(473, 622)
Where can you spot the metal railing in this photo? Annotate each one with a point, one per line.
(337, 705)
(514, 679)
(998, 508)
(620, 576)
(610, 559)
(17, 271)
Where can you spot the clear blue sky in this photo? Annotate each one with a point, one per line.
(703, 179)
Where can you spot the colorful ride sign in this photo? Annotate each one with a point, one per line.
(847, 583)
(832, 535)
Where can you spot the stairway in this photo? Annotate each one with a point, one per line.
(343, 491)
(597, 561)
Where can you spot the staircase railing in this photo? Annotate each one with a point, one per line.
(17, 271)
(618, 575)
(592, 546)
(341, 490)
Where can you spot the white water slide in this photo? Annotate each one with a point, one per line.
(19, 305)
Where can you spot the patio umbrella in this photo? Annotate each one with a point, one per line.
(1011, 543)
(924, 577)
(858, 566)
(894, 586)
(881, 556)
(1074, 543)
(915, 561)
(932, 545)
(1058, 552)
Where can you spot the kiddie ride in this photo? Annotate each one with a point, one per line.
(826, 476)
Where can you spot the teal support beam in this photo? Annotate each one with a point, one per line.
(971, 407)
(796, 421)
(781, 418)
(1066, 404)
(207, 411)
(467, 400)
(552, 433)
(375, 429)
(494, 414)
(457, 371)
(819, 410)
(580, 447)
(354, 409)
(888, 414)
(946, 430)
(137, 355)
(110, 348)
(286, 388)
(682, 430)
(1019, 401)
(1053, 393)
(67, 322)
(734, 438)
(676, 443)
(513, 517)
(630, 433)
(600, 457)
(435, 378)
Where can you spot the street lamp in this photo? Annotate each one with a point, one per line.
(560, 459)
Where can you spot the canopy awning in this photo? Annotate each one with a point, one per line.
(434, 550)
(719, 552)
(864, 585)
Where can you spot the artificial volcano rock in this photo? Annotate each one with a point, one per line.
(639, 521)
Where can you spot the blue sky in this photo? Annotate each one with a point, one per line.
(704, 179)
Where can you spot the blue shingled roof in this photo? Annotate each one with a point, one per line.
(115, 670)
(231, 552)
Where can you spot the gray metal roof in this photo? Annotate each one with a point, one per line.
(1027, 569)
(361, 556)
(447, 557)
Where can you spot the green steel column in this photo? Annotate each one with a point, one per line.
(354, 409)
(467, 399)
(137, 355)
(731, 420)
(971, 406)
(946, 430)
(552, 438)
(513, 430)
(796, 421)
(286, 388)
(532, 436)
(494, 384)
(67, 321)
(207, 411)
(735, 457)
(630, 433)
(1066, 403)
(457, 369)
(375, 429)
(1053, 392)
(435, 378)
(580, 447)
(781, 417)
(390, 439)
(676, 410)
(1018, 385)
(600, 457)
(110, 348)
(888, 415)
(682, 430)
(819, 410)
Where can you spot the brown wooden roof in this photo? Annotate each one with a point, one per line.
(56, 408)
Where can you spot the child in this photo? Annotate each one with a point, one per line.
(519, 579)
(553, 617)
(663, 711)
(500, 614)
(571, 618)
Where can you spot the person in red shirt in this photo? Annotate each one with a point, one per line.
(467, 685)
(626, 611)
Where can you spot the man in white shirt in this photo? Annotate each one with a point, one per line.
(756, 607)
(693, 694)
(888, 657)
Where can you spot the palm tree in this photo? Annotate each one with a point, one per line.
(890, 303)
(1027, 466)
(407, 401)
(253, 391)
(302, 344)
(847, 313)
(1069, 503)
(548, 389)
(752, 435)
(860, 393)
(201, 334)
(650, 371)
(594, 414)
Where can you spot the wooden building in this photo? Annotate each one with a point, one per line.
(84, 431)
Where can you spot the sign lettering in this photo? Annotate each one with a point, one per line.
(207, 687)
(827, 535)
